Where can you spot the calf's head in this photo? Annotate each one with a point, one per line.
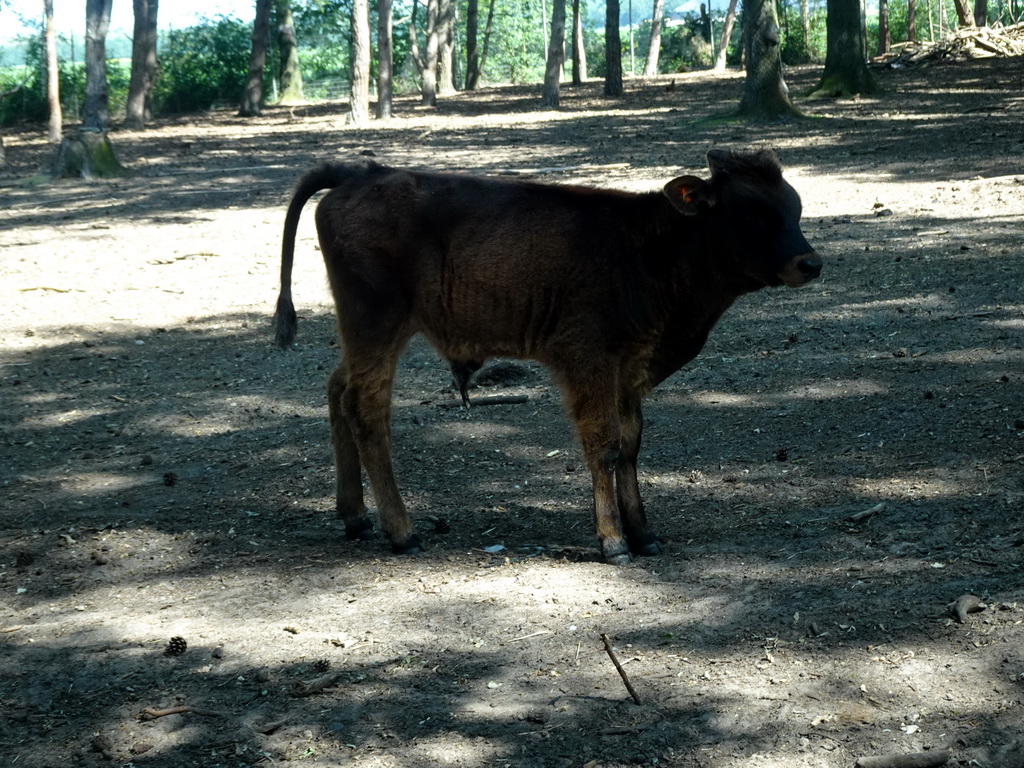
(753, 215)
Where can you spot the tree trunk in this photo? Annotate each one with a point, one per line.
(95, 112)
(556, 54)
(472, 57)
(654, 47)
(253, 94)
(56, 127)
(912, 20)
(963, 13)
(144, 64)
(765, 95)
(579, 51)
(291, 70)
(730, 19)
(414, 46)
(359, 98)
(86, 154)
(487, 38)
(981, 13)
(612, 50)
(805, 23)
(883, 26)
(446, 48)
(385, 59)
(846, 71)
(429, 70)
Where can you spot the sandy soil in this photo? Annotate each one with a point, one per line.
(839, 466)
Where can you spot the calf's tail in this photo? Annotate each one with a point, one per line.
(324, 176)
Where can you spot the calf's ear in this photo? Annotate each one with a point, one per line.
(687, 193)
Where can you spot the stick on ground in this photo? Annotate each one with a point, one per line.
(621, 671)
(914, 760)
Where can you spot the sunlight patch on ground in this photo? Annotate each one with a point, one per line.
(844, 312)
(92, 483)
(1014, 324)
(919, 485)
(448, 749)
(975, 356)
(825, 390)
(65, 418)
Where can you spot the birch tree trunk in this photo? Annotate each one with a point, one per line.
(385, 59)
(359, 98)
(654, 48)
(579, 51)
(730, 19)
(56, 126)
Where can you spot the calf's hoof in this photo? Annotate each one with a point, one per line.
(644, 545)
(410, 546)
(360, 529)
(616, 553)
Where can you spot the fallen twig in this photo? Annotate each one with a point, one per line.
(621, 730)
(867, 513)
(150, 713)
(317, 685)
(270, 727)
(621, 671)
(914, 760)
(538, 633)
(492, 400)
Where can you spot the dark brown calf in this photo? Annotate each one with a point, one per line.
(611, 291)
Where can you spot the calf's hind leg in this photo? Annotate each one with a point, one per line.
(366, 406)
(349, 496)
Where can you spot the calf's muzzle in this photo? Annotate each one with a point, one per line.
(800, 270)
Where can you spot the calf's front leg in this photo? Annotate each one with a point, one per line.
(627, 490)
(593, 409)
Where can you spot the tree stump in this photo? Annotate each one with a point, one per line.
(87, 154)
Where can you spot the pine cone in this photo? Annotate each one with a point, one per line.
(175, 647)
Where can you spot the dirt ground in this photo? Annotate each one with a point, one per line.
(840, 465)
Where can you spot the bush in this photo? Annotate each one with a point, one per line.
(203, 65)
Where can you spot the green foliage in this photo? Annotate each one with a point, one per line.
(25, 103)
(517, 54)
(683, 47)
(30, 104)
(203, 65)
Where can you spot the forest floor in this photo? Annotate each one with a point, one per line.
(839, 465)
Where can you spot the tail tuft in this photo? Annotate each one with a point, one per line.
(285, 322)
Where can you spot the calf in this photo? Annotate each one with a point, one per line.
(612, 291)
